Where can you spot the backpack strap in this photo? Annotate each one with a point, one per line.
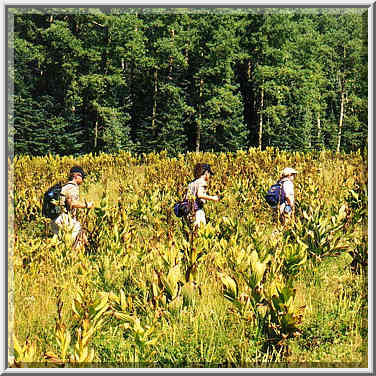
(280, 182)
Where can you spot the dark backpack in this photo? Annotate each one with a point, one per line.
(275, 194)
(181, 208)
(51, 198)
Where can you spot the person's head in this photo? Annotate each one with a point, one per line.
(203, 169)
(289, 173)
(76, 174)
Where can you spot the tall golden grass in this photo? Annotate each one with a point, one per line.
(241, 292)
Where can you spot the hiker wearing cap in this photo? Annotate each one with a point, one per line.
(287, 208)
(197, 190)
(70, 202)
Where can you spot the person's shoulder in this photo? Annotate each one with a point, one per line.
(288, 186)
(288, 182)
(191, 183)
(195, 181)
(70, 186)
(202, 181)
(70, 183)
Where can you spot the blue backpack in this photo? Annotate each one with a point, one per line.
(275, 194)
(182, 209)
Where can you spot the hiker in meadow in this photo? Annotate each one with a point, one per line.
(197, 191)
(281, 196)
(70, 202)
(287, 207)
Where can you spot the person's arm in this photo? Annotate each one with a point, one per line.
(201, 194)
(73, 203)
(79, 204)
(289, 195)
(207, 197)
(290, 200)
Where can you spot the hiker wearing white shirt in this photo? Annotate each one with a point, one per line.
(197, 190)
(70, 202)
(287, 207)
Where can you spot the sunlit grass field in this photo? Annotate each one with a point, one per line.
(147, 292)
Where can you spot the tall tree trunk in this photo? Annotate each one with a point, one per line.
(341, 83)
(96, 135)
(340, 125)
(171, 58)
(105, 62)
(251, 99)
(261, 118)
(319, 130)
(132, 88)
(198, 128)
(154, 102)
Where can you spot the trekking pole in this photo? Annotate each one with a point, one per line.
(84, 224)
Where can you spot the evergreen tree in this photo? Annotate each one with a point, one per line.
(345, 66)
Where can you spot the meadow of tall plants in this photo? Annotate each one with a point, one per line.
(147, 291)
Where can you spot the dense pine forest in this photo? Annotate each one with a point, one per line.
(142, 80)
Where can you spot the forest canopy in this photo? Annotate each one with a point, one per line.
(186, 79)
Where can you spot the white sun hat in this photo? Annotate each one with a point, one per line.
(288, 171)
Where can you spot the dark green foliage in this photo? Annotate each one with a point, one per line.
(40, 130)
(142, 80)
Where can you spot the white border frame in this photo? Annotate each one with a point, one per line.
(275, 3)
